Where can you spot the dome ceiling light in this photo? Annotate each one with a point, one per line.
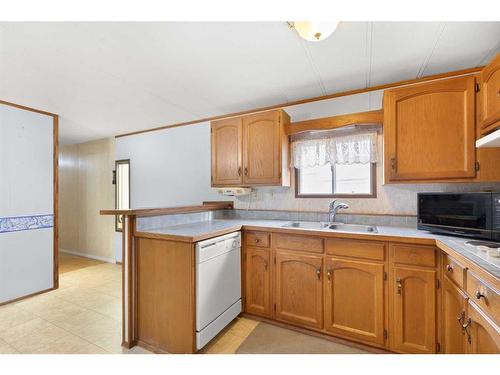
(313, 31)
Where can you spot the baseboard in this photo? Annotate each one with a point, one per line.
(85, 255)
(27, 296)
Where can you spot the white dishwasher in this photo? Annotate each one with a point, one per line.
(218, 285)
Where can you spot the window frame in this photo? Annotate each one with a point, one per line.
(115, 180)
(373, 192)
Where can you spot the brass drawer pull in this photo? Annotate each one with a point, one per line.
(449, 267)
(257, 240)
(479, 295)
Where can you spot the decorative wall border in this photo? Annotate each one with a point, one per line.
(23, 223)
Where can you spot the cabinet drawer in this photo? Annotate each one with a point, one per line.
(414, 255)
(301, 243)
(355, 248)
(454, 270)
(257, 239)
(484, 296)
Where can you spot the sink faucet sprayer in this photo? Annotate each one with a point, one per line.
(334, 207)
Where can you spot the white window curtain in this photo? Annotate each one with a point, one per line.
(345, 149)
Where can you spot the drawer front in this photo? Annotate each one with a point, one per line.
(302, 243)
(454, 271)
(484, 296)
(356, 248)
(414, 255)
(257, 239)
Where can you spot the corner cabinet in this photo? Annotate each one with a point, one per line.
(429, 131)
(490, 96)
(251, 150)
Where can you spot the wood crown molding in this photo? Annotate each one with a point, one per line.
(334, 122)
(315, 99)
(206, 206)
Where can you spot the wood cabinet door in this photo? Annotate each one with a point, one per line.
(483, 335)
(257, 281)
(490, 96)
(354, 299)
(454, 304)
(413, 315)
(227, 167)
(429, 131)
(298, 289)
(262, 149)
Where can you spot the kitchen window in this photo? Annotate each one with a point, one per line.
(335, 165)
(122, 190)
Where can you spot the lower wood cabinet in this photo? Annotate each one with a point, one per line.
(299, 288)
(483, 335)
(454, 305)
(413, 310)
(258, 281)
(354, 299)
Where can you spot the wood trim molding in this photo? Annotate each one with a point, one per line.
(206, 206)
(28, 108)
(314, 99)
(335, 122)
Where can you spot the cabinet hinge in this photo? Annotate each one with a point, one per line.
(385, 334)
(438, 284)
(438, 347)
(385, 276)
(477, 88)
(477, 166)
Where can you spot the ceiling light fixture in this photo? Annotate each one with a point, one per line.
(313, 31)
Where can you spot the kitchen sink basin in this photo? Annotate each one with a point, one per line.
(332, 226)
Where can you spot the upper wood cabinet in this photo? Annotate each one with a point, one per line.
(429, 131)
(490, 96)
(354, 299)
(258, 281)
(227, 153)
(251, 150)
(298, 289)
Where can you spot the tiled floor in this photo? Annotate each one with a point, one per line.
(228, 341)
(69, 262)
(82, 316)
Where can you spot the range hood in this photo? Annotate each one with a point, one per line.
(491, 140)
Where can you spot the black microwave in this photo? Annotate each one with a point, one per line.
(474, 215)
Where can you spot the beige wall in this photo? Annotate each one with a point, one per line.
(85, 173)
(392, 199)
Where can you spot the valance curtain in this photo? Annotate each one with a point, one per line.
(345, 149)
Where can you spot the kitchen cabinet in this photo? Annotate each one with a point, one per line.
(490, 96)
(429, 131)
(227, 152)
(251, 150)
(258, 281)
(454, 304)
(299, 288)
(413, 309)
(483, 335)
(354, 299)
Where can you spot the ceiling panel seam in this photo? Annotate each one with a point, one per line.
(314, 68)
(429, 55)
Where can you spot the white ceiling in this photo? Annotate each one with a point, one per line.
(105, 79)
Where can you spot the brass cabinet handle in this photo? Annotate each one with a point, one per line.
(318, 273)
(256, 240)
(449, 268)
(465, 326)
(461, 318)
(239, 171)
(399, 285)
(329, 275)
(393, 164)
(265, 265)
(246, 171)
(479, 295)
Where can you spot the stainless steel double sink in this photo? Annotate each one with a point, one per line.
(332, 226)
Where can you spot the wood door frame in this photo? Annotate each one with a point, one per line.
(55, 191)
